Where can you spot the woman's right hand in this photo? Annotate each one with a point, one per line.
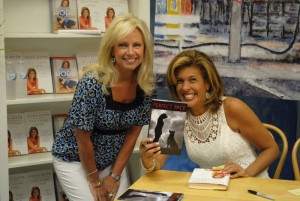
(99, 193)
(148, 150)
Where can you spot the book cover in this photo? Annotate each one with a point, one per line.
(207, 179)
(18, 184)
(166, 125)
(85, 59)
(58, 121)
(17, 139)
(59, 192)
(38, 70)
(63, 15)
(64, 74)
(41, 183)
(16, 77)
(39, 131)
(143, 195)
(101, 12)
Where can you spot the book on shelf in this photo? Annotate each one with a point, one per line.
(39, 129)
(59, 192)
(166, 125)
(18, 187)
(206, 179)
(58, 121)
(16, 77)
(39, 79)
(64, 74)
(85, 59)
(17, 139)
(63, 15)
(144, 195)
(99, 12)
(42, 182)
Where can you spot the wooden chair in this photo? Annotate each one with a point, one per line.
(295, 160)
(284, 150)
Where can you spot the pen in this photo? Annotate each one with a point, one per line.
(261, 194)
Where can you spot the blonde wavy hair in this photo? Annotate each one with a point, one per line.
(208, 71)
(106, 73)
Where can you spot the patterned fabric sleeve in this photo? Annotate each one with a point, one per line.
(87, 97)
(145, 114)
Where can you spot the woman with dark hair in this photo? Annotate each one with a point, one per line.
(35, 194)
(219, 130)
(33, 83)
(85, 20)
(110, 15)
(33, 141)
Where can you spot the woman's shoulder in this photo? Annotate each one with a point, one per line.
(233, 104)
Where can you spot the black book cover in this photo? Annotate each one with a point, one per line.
(166, 125)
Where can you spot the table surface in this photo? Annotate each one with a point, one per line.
(173, 181)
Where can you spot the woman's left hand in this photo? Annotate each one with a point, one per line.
(111, 187)
(235, 170)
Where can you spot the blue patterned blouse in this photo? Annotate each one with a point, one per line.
(108, 120)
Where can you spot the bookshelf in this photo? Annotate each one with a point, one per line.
(27, 28)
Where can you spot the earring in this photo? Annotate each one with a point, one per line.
(113, 59)
(207, 95)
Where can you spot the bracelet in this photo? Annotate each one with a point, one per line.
(96, 185)
(89, 174)
(150, 169)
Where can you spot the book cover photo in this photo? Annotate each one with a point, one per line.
(58, 121)
(17, 139)
(166, 125)
(18, 184)
(41, 185)
(39, 130)
(38, 70)
(64, 74)
(85, 59)
(63, 15)
(100, 12)
(209, 179)
(147, 195)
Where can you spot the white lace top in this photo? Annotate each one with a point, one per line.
(219, 146)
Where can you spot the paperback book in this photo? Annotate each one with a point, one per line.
(146, 195)
(207, 179)
(17, 139)
(85, 59)
(166, 125)
(39, 77)
(16, 77)
(64, 74)
(18, 187)
(42, 182)
(100, 13)
(58, 121)
(39, 131)
(63, 15)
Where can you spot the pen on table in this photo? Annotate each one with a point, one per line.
(261, 194)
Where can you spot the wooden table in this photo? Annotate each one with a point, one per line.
(173, 181)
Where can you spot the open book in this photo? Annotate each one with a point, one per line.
(204, 179)
(146, 195)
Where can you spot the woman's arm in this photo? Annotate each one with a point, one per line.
(242, 119)
(87, 158)
(150, 155)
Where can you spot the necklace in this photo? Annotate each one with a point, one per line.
(203, 128)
